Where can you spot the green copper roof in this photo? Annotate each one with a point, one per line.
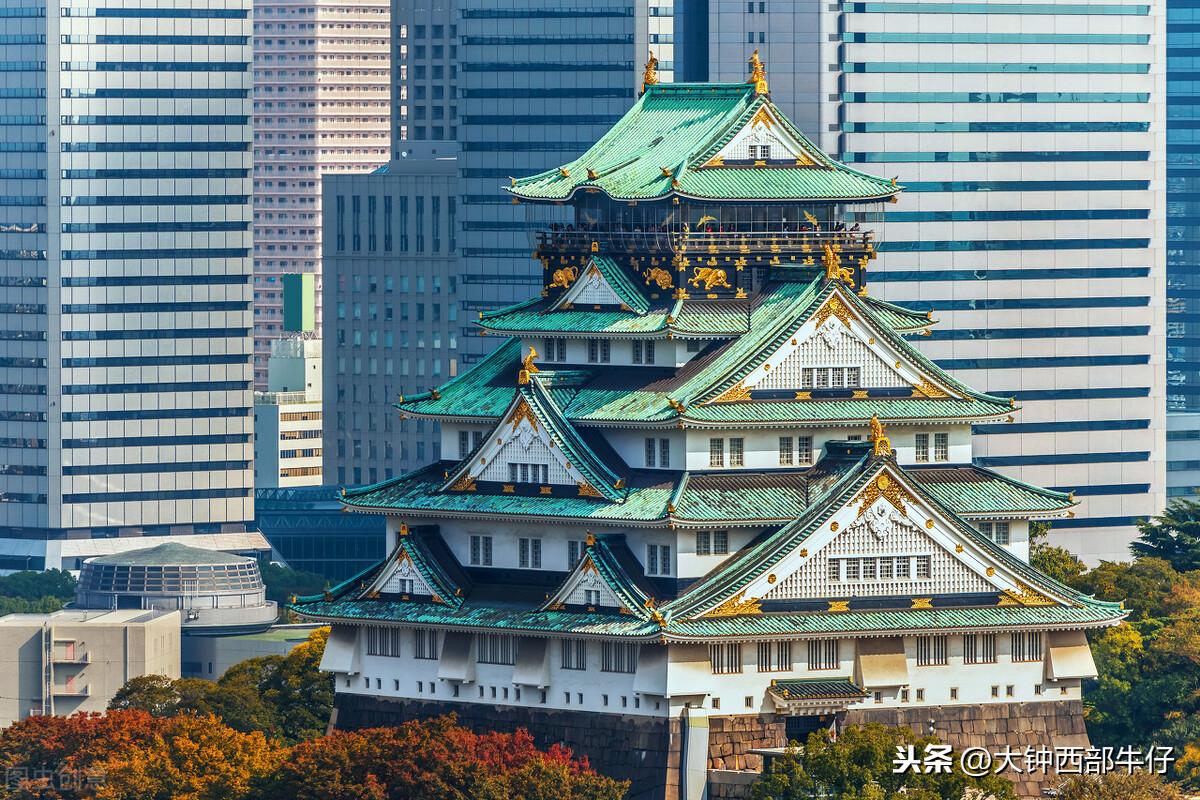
(620, 282)
(817, 689)
(979, 491)
(898, 318)
(537, 316)
(664, 143)
(620, 572)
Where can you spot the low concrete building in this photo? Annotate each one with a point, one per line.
(76, 660)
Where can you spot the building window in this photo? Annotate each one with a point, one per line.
(651, 451)
(804, 450)
(464, 444)
(703, 543)
(664, 453)
(554, 349)
(823, 654)
(831, 378)
(924, 565)
(953, 692)
(383, 642)
(574, 654)
(591, 597)
(774, 656)
(979, 648)
(737, 452)
(922, 447)
(575, 551)
(725, 658)
(941, 447)
(658, 559)
(618, 657)
(481, 551)
(529, 553)
(1026, 647)
(528, 473)
(496, 649)
(998, 532)
(599, 351)
(787, 452)
(716, 452)
(425, 645)
(920, 695)
(931, 651)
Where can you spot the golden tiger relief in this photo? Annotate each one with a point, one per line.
(562, 278)
(660, 277)
(711, 277)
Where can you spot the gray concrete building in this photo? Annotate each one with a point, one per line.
(76, 660)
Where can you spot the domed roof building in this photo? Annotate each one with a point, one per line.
(218, 594)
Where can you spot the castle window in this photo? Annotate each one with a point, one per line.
(643, 352)
(831, 378)
(575, 550)
(998, 532)
(618, 657)
(574, 654)
(1026, 647)
(651, 451)
(979, 648)
(529, 553)
(787, 455)
(823, 654)
(737, 452)
(426, 644)
(716, 452)
(464, 443)
(720, 542)
(922, 447)
(591, 597)
(476, 438)
(923, 566)
(703, 543)
(383, 642)
(528, 473)
(931, 651)
(664, 453)
(554, 349)
(481, 551)
(941, 447)
(804, 450)
(774, 656)
(599, 351)
(658, 559)
(725, 658)
(496, 649)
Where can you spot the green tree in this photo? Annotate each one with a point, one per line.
(1174, 536)
(1118, 786)
(860, 765)
(1057, 562)
(30, 585)
(283, 582)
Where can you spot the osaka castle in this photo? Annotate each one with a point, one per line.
(706, 496)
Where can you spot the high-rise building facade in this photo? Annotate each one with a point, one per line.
(288, 417)
(1031, 140)
(125, 327)
(322, 80)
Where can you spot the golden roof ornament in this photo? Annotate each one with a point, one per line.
(882, 444)
(527, 367)
(650, 75)
(758, 73)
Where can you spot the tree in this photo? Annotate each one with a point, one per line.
(1118, 786)
(1057, 562)
(1174, 536)
(30, 585)
(859, 765)
(283, 582)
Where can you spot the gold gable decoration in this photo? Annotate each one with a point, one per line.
(758, 73)
(886, 487)
(523, 411)
(834, 307)
(733, 394)
(527, 368)
(1024, 596)
(563, 278)
(925, 388)
(650, 73)
(882, 445)
(464, 484)
(736, 606)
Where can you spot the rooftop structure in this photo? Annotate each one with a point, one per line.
(746, 461)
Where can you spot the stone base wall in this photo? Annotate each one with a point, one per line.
(644, 750)
(993, 727)
(730, 740)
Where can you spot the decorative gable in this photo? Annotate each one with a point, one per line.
(586, 588)
(517, 448)
(602, 581)
(591, 289)
(405, 579)
(886, 541)
(835, 348)
(765, 138)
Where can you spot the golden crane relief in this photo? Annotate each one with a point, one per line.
(758, 73)
(650, 74)
(882, 444)
(527, 367)
(660, 277)
(834, 270)
(709, 276)
(563, 278)
(812, 220)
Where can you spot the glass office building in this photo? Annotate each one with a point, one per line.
(125, 322)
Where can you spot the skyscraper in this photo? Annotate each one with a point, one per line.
(125, 410)
(322, 78)
(1030, 142)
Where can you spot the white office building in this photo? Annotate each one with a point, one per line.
(287, 417)
(125, 322)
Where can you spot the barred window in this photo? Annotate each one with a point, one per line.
(835, 569)
(922, 447)
(555, 349)
(931, 651)
(575, 551)
(787, 455)
(664, 453)
(998, 532)
(720, 542)
(737, 452)
(823, 654)
(618, 657)
(979, 648)
(574, 654)
(591, 597)
(481, 551)
(703, 543)
(923, 566)
(651, 452)
(637, 351)
(1026, 647)
(383, 642)
(725, 658)
(804, 450)
(464, 444)
(426, 644)
(941, 447)
(716, 452)
(496, 649)
(774, 656)
(529, 553)
(658, 559)
(649, 349)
